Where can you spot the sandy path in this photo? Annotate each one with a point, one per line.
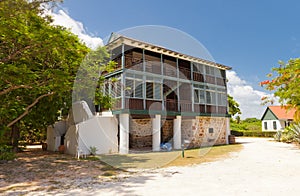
(262, 168)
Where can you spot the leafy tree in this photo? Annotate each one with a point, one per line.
(233, 106)
(38, 64)
(238, 119)
(252, 120)
(90, 78)
(285, 82)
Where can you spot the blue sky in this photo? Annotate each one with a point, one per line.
(250, 36)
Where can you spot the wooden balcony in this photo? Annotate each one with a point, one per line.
(186, 106)
(171, 105)
(170, 71)
(210, 79)
(222, 110)
(184, 73)
(199, 108)
(198, 77)
(153, 67)
(153, 105)
(210, 109)
(221, 81)
(134, 104)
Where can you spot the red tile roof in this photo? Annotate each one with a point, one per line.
(281, 112)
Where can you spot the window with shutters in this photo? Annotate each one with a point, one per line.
(266, 125)
(153, 90)
(134, 86)
(274, 125)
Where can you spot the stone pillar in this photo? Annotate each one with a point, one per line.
(124, 133)
(227, 130)
(156, 125)
(177, 132)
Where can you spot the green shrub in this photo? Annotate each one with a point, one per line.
(259, 134)
(287, 137)
(252, 120)
(291, 134)
(6, 153)
(236, 133)
(93, 150)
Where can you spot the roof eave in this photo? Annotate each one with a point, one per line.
(159, 49)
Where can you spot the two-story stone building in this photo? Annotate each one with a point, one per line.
(166, 96)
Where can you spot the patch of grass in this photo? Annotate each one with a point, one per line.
(92, 158)
(206, 154)
(150, 160)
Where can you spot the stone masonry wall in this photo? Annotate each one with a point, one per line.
(204, 131)
(197, 131)
(140, 133)
(167, 130)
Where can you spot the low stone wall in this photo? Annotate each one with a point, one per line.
(140, 133)
(204, 131)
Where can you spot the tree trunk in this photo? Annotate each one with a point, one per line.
(15, 135)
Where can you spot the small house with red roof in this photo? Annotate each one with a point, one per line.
(276, 118)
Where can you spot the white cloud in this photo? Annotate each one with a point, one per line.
(248, 98)
(63, 19)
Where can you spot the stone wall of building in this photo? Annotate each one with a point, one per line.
(201, 131)
(204, 131)
(140, 133)
(167, 131)
(187, 132)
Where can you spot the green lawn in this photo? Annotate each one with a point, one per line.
(165, 159)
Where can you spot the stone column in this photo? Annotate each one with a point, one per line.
(227, 130)
(156, 125)
(124, 133)
(177, 132)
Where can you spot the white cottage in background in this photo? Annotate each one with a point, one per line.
(276, 118)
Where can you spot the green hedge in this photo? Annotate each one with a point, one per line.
(236, 133)
(259, 134)
(252, 133)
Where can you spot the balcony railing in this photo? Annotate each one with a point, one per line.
(134, 104)
(198, 77)
(153, 105)
(170, 105)
(199, 108)
(184, 73)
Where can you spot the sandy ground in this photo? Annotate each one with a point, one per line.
(262, 168)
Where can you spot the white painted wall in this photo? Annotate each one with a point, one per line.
(99, 131)
(53, 139)
(71, 138)
(280, 125)
(54, 134)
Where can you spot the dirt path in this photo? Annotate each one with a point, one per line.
(262, 168)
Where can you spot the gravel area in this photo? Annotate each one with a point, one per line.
(262, 167)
